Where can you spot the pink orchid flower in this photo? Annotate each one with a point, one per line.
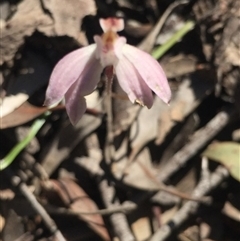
(77, 74)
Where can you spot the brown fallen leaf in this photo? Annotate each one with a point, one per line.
(64, 19)
(124, 112)
(137, 29)
(188, 96)
(137, 174)
(21, 115)
(76, 199)
(145, 127)
(69, 136)
(68, 15)
(142, 228)
(23, 23)
(2, 223)
(14, 227)
(231, 211)
(179, 65)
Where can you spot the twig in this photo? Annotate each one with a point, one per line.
(90, 165)
(29, 162)
(50, 224)
(148, 42)
(190, 207)
(199, 140)
(118, 220)
(108, 108)
(124, 208)
(108, 193)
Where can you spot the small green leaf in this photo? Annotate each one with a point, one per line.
(159, 51)
(14, 152)
(228, 154)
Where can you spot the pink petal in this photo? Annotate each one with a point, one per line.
(112, 24)
(132, 83)
(67, 71)
(75, 102)
(150, 70)
(89, 78)
(75, 105)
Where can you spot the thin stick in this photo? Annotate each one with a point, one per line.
(118, 220)
(108, 108)
(198, 141)
(50, 224)
(124, 208)
(191, 207)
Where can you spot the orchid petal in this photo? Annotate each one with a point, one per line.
(112, 24)
(67, 71)
(75, 102)
(150, 70)
(89, 78)
(132, 83)
(75, 105)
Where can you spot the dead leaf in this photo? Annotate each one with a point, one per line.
(6, 194)
(75, 198)
(69, 136)
(182, 104)
(188, 96)
(137, 29)
(14, 227)
(2, 223)
(228, 154)
(191, 233)
(180, 139)
(65, 19)
(138, 174)
(124, 112)
(145, 127)
(178, 65)
(168, 215)
(21, 115)
(232, 212)
(142, 228)
(236, 135)
(68, 15)
(23, 23)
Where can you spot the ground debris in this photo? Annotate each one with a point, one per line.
(124, 172)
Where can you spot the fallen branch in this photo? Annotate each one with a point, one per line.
(123, 208)
(198, 141)
(118, 218)
(191, 207)
(23, 188)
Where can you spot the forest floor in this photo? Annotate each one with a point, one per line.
(123, 172)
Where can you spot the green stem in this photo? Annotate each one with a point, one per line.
(9, 158)
(161, 50)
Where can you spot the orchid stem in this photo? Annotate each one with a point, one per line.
(108, 110)
(10, 157)
(161, 50)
